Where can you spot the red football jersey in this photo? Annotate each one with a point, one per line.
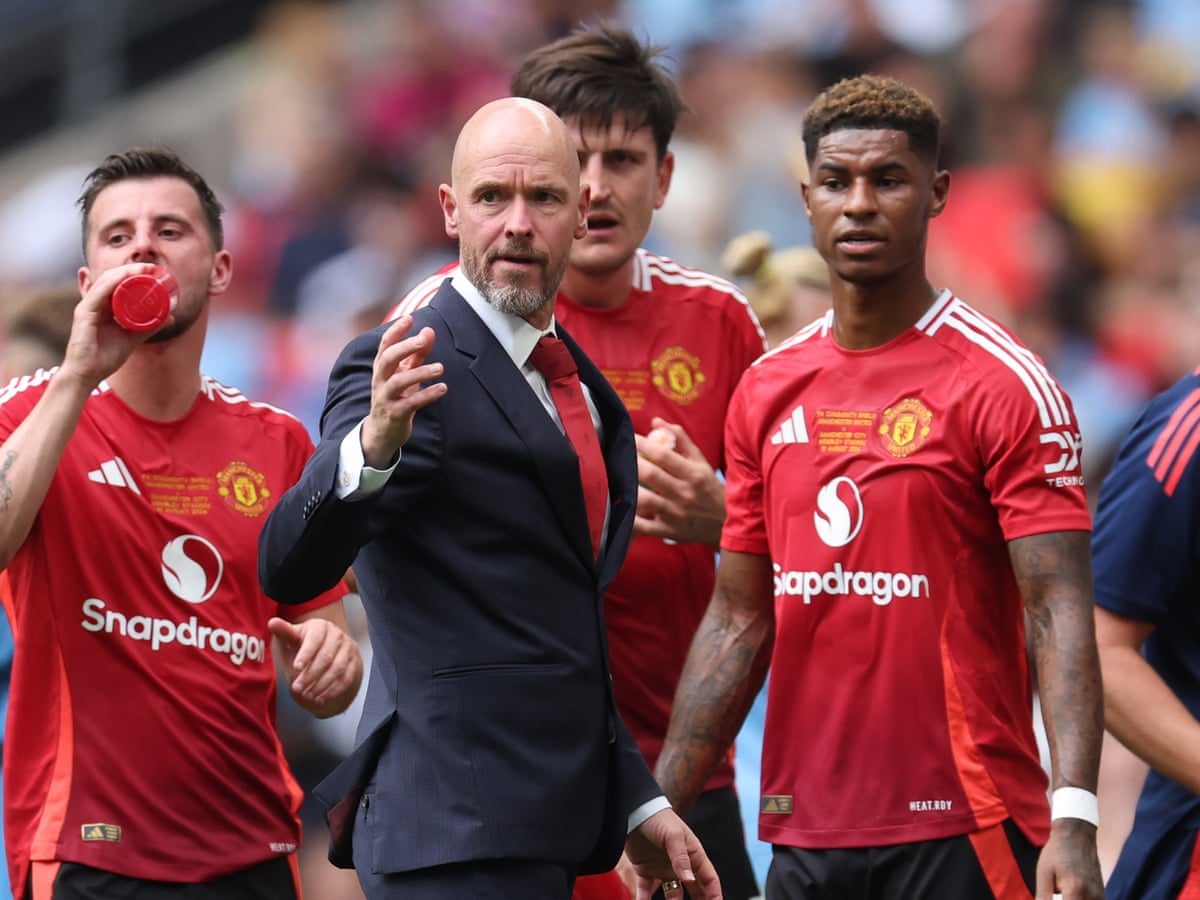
(675, 349)
(884, 484)
(141, 734)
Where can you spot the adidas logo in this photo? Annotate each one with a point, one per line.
(114, 472)
(793, 430)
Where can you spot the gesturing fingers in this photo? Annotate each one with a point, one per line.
(398, 372)
(400, 362)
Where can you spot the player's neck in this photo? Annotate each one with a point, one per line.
(867, 316)
(161, 381)
(599, 290)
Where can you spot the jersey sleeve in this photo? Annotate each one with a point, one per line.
(751, 339)
(1148, 515)
(18, 397)
(294, 612)
(743, 342)
(1031, 450)
(745, 528)
(422, 292)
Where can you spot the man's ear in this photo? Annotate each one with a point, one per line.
(941, 192)
(449, 209)
(666, 169)
(585, 202)
(222, 273)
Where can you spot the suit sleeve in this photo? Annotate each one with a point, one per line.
(311, 538)
(638, 784)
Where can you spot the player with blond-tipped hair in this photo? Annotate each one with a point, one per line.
(903, 489)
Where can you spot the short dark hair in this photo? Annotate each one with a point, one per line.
(599, 73)
(151, 162)
(874, 101)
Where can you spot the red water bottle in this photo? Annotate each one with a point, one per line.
(143, 302)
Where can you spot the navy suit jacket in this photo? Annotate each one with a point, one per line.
(489, 728)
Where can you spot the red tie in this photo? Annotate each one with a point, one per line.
(552, 358)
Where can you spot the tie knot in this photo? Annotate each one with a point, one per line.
(551, 357)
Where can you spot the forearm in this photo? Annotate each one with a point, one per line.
(30, 456)
(1072, 711)
(1055, 577)
(724, 672)
(1146, 716)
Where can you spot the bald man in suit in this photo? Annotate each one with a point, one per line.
(491, 760)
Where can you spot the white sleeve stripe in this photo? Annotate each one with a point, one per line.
(21, 383)
(1043, 410)
(813, 329)
(676, 274)
(1048, 410)
(641, 277)
(936, 314)
(670, 272)
(1026, 357)
(420, 295)
(418, 299)
(214, 390)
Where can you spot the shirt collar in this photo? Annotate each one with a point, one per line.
(515, 335)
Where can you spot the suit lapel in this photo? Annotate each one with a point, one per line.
(549, 448)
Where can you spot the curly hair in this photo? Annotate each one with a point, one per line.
(870, 102)
(599, 74)
(150, 162)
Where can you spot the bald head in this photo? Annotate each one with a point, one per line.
(513, 124)
(515, 204)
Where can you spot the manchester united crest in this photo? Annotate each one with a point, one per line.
(676, 374)
(244, 489)
(904, 427)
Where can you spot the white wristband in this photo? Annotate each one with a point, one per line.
(1074, 803)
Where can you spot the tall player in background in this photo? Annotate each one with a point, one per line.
(673, 341)
(1146, 553)
(141, 752)
(903, 485)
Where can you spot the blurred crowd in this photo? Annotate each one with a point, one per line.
(1073, 141)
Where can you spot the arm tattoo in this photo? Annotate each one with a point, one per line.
(1053, 572)
(6, 491)
(725, 669)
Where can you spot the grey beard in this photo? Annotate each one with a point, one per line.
(514, 301)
